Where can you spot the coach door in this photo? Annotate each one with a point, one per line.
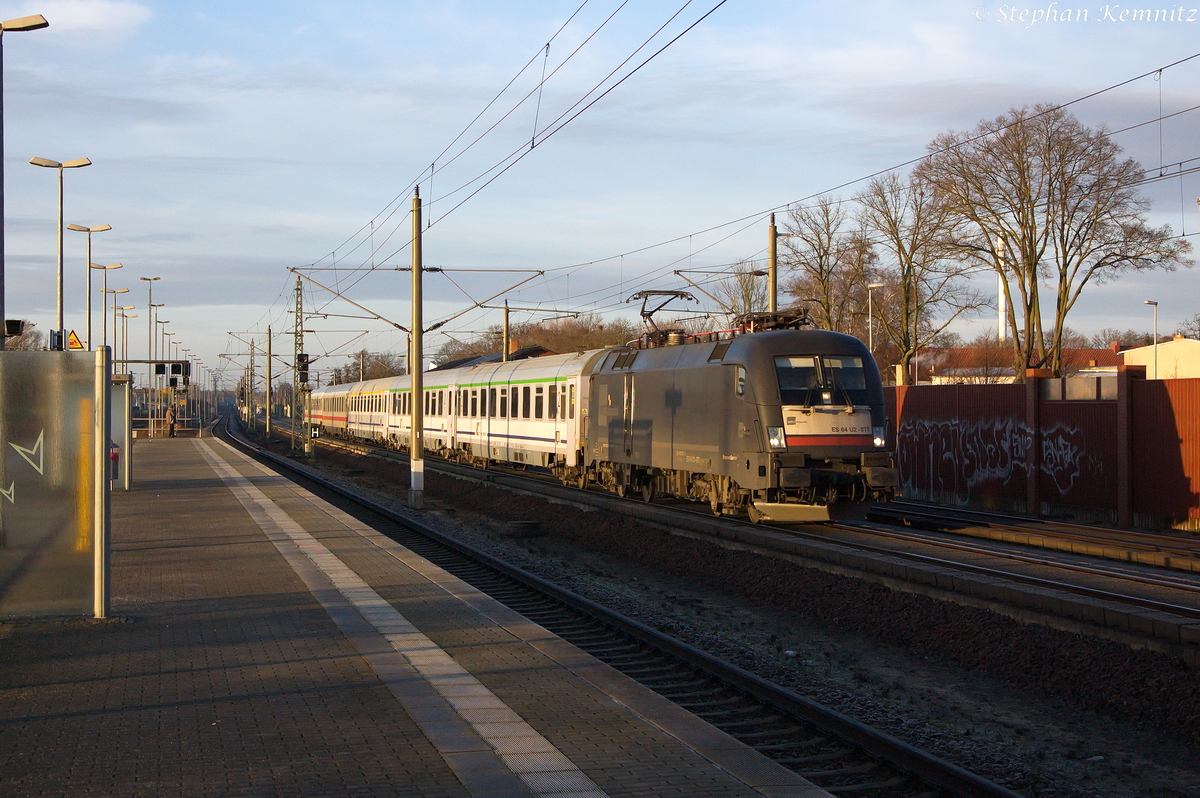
(627, 416)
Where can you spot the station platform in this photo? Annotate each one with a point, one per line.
(266, 643)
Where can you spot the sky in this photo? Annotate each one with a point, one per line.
(232, 141)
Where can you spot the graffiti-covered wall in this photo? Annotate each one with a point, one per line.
(978, 445)
(960, 444)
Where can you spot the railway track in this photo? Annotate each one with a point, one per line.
(830, 749)
(1171, 552)
(703, 523)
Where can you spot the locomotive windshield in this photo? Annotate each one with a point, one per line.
(829, 380)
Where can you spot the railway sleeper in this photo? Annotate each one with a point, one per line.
(893, 783)
(664, 668)
(711, 697)
(618, 656)
(727, 712)
(816, 759)
(853, 770)
(795, 744)
(694, 706)
(777, 733)
(586, 637)
(705, 690)
(683, 680)
(761, 721)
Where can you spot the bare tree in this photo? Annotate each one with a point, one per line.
(827, 262)
(29, 338)
(577, 334)
(1038, 195)
(924, 290)
(366, 365)
(743, 291)
(1189, 328)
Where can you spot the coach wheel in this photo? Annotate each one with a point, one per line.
(756, 515)
(714, 501)
(581, 480)
(648, 492)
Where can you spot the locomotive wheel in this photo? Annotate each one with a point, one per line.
(582, 480)
(648, 492)
(756, 516)
(623, 491)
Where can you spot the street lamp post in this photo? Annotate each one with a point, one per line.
(149, 346)
(871, 317)
(104, 320)
(1155, 305)
(118, 311)
(159, 339)
(77, 163)
(104, 300)
(20, 24)
(89, 230)
(125, 337)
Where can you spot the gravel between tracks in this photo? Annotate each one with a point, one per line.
(1044, 712)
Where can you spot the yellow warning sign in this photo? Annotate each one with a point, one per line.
(73, 341)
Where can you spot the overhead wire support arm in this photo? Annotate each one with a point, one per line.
(341, 296)
(482, 303)
(693, 284)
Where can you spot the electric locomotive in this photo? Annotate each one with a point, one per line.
(783, 424)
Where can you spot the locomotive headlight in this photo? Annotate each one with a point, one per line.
(880, 436)
(775, 438)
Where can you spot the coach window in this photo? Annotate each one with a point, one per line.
(538, 402)
(503, 403)
(525, 401)
(474, 404)
(492, 402)
(483, 402)
(440, 403)
(571, 404)
(553, 400)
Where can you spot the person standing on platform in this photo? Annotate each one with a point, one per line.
(171, 421)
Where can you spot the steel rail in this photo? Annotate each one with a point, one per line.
(1136, 541)
(889, 532)
(931, 770)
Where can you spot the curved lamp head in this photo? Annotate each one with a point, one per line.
(78, 228)
(25, 23)
(73, 164)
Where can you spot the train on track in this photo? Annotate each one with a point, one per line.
(785, 425)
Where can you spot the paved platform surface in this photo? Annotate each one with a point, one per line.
(265, 643)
